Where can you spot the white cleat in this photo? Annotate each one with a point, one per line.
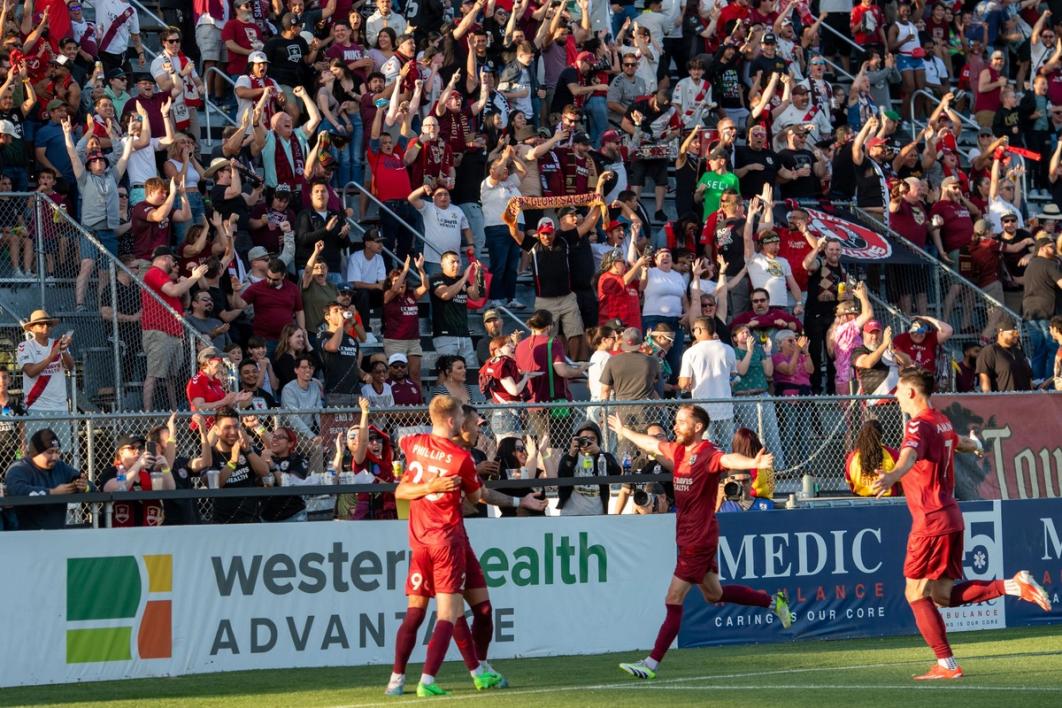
(396, 687)
(1031, 590)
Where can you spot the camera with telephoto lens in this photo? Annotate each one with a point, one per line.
(734, 489)
(253, 179)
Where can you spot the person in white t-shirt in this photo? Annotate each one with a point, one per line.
(44, 362)
(444, 225)
(767, 270)
(706, 371)
(366, 273)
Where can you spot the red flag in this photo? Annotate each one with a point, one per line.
(58, 21)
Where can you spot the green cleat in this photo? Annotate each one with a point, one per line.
(781, 608)
(639, 669)
(488, 679)
(427, 690)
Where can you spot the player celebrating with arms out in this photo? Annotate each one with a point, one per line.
(697, 464)
(437, 472)
(926, 471)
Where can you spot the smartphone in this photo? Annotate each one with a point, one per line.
(152, 448)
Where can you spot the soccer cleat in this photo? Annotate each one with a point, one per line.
(1031, 590)
(396, 688)
(639, 670)
(781, 608)
(937, 672)
(487, 679)
(427, 690)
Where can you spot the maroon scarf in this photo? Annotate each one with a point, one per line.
(287, 173)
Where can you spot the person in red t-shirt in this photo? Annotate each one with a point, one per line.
(921, 340)
(206, 392)
(439, 475)
(619, 288)
(153, 218)
(697, 464)
(935, 545)
(241, 37)
(162, 335)
(867, 23)
(796, 243)
(275, 300)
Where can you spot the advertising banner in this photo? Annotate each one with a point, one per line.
(1022, 460)
(86, 605)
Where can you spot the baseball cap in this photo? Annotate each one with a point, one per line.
(588, 57)
(610, 136)
(918, 327)
(769, 38)
(128, 441)
(581, 138)
(139, 76)
(207, 354)
(257, 253)
(42, 441)
(7, 128)
(874, 142)
(491, 315)
(872, 326)
(1042, 241)
(257, 58)
(55, 103)
(614, 225)
(289, 20)
(397, 358)
(545, 226)
(893, 116)
(115, 74)
(1006, 324)
(60, 59)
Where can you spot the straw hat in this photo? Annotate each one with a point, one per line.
(39, 317)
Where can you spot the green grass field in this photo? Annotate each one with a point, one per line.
(1014, 667)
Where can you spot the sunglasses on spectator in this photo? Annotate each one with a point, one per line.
(759, 300)
(519, 448)
(172, 40)
(630, 63)
(397, 365)
(375, 439)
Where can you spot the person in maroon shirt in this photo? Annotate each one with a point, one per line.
(951, 228)
(766, 319)
(921, 340)
(401, 320)
(933, 564)
(697, 464)
(151, 101)
(405, 390)
(274, 299)
(152, 218)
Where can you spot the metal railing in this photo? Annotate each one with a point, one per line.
(847, 40)
(105, 354)
(209, 105)
(383, 207)
(944, 289)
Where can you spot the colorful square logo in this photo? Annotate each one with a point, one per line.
(110, 598)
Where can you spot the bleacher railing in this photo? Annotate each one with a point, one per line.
(45, 237)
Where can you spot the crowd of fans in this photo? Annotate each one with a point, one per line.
(525, 134)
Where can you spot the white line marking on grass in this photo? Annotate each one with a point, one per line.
(937, 685)
(662, 684)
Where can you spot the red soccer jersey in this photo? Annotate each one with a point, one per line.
(206, 387)
(436, 518)
(495, 370)
(696, 483)
(153, 315)
(793, 248)
(929, 486)
(618, 300)
(924, 353)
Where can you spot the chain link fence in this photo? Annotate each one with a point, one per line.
(808, 435)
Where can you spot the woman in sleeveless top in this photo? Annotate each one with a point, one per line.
(904, 43)
(183, 144)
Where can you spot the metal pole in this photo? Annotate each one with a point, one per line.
(90, 448)
(40, 247)
(119, 385)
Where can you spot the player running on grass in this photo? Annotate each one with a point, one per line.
(473, 646)
(934, 547)
(437, 472)
(698, 464)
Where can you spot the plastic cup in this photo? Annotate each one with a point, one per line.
(213, 479)
(156, 480)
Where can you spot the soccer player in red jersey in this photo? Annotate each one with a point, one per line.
(697, 464)
(926, 472)
(473, 643)
(437, 472)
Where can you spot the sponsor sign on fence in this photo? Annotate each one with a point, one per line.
(86, 605)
